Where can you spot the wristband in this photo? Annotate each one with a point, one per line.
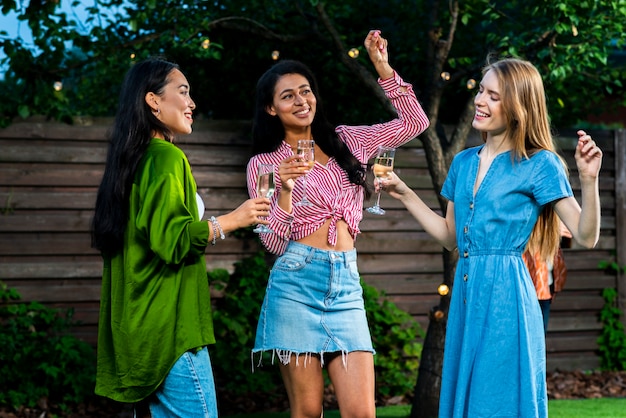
(216, 228)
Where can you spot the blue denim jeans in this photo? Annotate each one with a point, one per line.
(188, 390)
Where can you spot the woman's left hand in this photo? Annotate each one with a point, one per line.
(588, 156)
(376, 47)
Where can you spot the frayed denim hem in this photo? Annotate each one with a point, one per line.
(284, 356)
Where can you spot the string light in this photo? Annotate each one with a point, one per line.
(206, 43)
(443, 289)
(445, 76)
(275, 55)
(438, 314)
(471, 84)
(58, 85)
(353, 53)
(132, 55)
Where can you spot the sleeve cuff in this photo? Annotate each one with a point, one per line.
(395, 86)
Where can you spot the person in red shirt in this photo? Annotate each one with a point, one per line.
(313, 314)
(548, 277)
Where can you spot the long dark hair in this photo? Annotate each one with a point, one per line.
(129, 137)
(268, 131)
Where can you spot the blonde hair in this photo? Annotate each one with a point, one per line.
(528, 126)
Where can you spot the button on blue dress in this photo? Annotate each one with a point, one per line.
(494, 359)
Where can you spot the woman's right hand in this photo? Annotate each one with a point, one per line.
(289, 170)
(393, 185)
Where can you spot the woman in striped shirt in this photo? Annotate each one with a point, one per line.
(313, 312)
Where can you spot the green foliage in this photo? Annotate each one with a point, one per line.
(394, 334)
(612, 340)
(570, 41)
(39, 359)
(235, 316)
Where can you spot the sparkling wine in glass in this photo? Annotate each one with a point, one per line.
(383, 166)
(306, 152)
(265, 187)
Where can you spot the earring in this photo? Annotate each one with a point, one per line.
(157, 113)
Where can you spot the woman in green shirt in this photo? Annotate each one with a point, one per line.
(155, 312)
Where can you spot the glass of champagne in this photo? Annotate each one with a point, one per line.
(306, 152)
(265, 187)
(383, 166)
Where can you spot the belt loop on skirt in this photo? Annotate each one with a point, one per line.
(311, 254)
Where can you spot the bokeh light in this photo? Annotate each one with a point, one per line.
(275, 55)
(58, 85)
(206, 43)
(353, 53)
(471, 84)
(443, 289)
(445, 76)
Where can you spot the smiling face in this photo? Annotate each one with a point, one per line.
(489, 117)
(174, 106)
(294, 102)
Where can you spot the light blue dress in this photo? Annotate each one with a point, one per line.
(494, 359)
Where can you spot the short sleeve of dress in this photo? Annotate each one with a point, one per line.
(449, 184)
(550, 180)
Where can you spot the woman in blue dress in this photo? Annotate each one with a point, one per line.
(501, 195)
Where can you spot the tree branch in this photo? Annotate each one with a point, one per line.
(353, 65)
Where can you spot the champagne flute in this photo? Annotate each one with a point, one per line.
(265, 187)
(383, 166)
(306, 151)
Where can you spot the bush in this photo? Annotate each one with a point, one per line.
(612, 340)
(40, 362)
(395, 335)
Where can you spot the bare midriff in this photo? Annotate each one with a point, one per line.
(319, 238)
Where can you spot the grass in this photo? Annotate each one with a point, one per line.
(566, 408)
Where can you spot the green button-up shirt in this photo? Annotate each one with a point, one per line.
(155, 301)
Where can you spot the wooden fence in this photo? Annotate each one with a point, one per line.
(49, 173)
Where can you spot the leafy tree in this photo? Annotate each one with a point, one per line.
(439, 46)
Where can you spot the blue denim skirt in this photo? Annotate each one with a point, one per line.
(313, 305)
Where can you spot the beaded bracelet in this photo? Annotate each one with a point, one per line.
(216, 228)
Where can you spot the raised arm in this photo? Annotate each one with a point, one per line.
(583, 220)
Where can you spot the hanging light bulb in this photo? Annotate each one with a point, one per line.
(471, 84)
(353, 53)
(443, 289)
(445, 76)
(58, 85)
(206, 43)
(275, 55)
(438, 314)
(132, 55)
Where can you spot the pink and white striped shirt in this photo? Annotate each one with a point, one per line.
(328, 187)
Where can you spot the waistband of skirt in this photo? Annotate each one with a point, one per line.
(313, 253)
